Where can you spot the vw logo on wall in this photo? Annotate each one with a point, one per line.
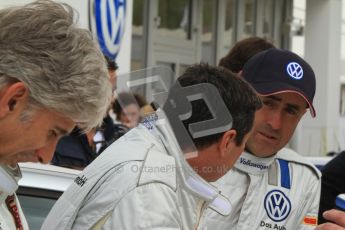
(277, 205)
(107, 21)
(294, 70)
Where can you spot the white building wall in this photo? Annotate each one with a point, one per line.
(320, 46)
(298, 24)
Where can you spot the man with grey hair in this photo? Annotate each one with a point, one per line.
(52, 78)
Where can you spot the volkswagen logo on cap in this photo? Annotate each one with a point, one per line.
(107, 22)
(277, 205)
(294, 70)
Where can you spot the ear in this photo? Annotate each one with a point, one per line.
(227, 142)
(11, 97)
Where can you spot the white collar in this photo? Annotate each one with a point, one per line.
(253, 164)
(190, 180)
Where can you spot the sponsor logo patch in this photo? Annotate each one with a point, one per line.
(271, 226)
(252, 164)
(310, 220)
(80, 181)
(294, 70)
(277, 205)
(149, 121)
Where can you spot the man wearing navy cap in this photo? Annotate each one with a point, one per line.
(272, 187)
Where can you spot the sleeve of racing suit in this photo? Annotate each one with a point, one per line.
(151, 206)
(311, 206)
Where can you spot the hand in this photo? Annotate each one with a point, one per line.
(336, 216)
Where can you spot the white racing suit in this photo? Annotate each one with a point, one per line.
(11, 214)
(133, 184)
(281, 192)
(7, 219)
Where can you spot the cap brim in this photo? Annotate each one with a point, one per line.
(266, 90)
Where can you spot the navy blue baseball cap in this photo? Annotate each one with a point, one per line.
(276, 71)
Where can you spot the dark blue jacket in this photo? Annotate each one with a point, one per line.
(74, 151)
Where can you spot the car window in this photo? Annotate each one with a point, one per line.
(36, 204)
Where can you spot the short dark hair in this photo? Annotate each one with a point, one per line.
(238, 96)
(242, 51)
(111, 63)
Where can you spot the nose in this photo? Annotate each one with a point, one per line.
(45, 154)
(275, 119)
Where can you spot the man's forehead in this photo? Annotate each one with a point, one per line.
(60, 122)
(290, 97)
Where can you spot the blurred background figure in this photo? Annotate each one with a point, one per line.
(242, 51)
(112, 67)
(129, 108)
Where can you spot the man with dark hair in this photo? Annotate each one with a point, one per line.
(242, 51)
(272, 187)
(154, 175)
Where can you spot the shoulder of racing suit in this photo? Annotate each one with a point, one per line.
(293, 157)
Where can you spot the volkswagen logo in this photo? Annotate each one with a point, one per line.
(107, 22)
(277, 205)
(294, 70)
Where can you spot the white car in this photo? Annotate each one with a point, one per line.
(40, 187)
